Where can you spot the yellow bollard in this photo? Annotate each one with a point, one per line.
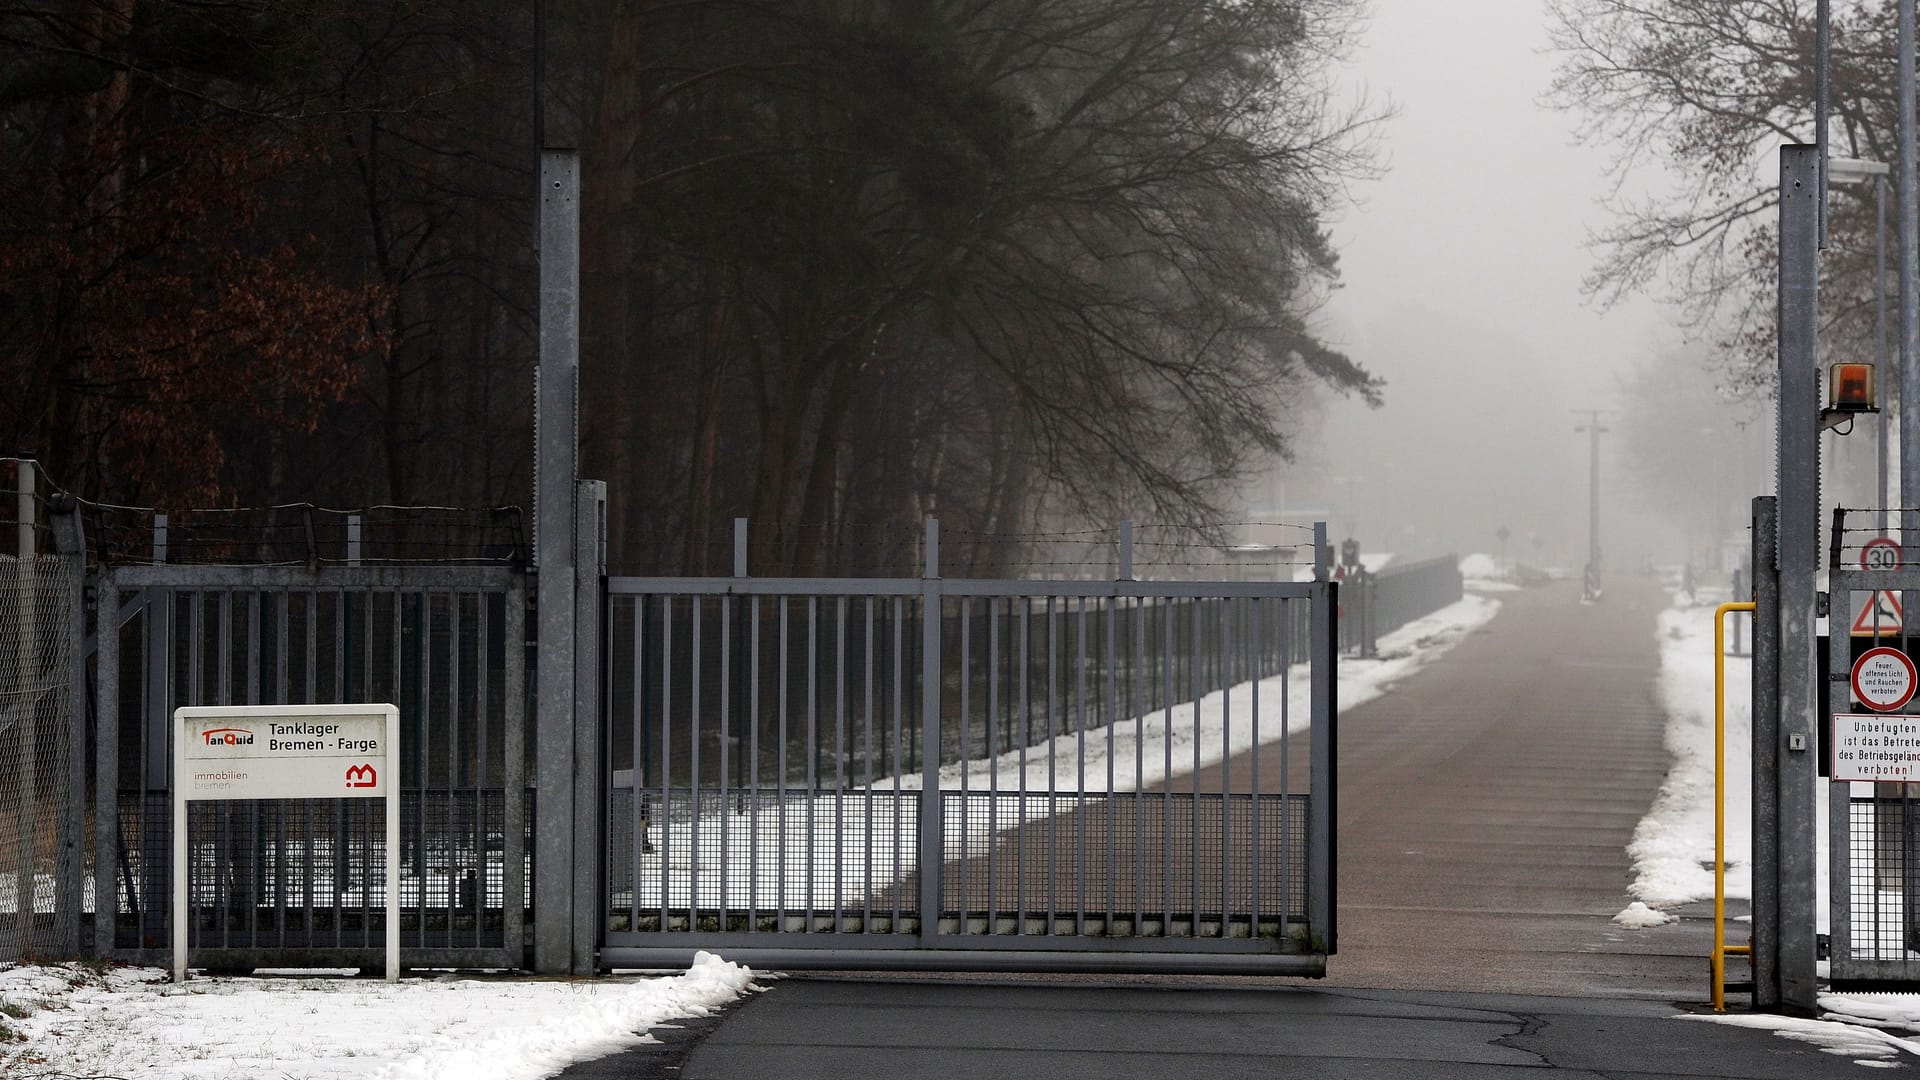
(1721, 949)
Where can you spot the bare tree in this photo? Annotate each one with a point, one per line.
(1703, 91)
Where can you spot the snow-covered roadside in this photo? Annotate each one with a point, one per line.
(73, 1020)
(1672, 848)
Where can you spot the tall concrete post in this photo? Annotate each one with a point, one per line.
(1799, 559)
(556, 468)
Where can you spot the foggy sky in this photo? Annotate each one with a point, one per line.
(1461, 274)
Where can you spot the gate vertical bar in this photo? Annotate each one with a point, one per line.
(1322, 861)
(556, 446)
(589, 777)
(1766, 753)
(1798, 460)
(930, 825)
(513, 840)
(106, 778)
(71, 540)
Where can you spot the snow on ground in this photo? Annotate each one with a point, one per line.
(1867, 1046)
(1672, 849)
(1483, 573)
(75, 1020)
(1639, 916)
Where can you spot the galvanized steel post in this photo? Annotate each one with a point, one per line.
(70, 539)
(589, 773)
(106, 776)
(1799, 555)
(1323, 802)
(556, 448)
(1766, 753)
(1907, 191)
(931, 833)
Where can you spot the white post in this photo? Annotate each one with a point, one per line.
(179, 869)
(393, 845)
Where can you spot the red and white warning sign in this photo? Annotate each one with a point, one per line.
(1880, 617)
(1881, 553)
(1884, 679)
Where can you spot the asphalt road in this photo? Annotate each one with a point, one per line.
(1487, 804)
(827, 1029)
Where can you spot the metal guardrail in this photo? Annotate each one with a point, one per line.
(1377, 604)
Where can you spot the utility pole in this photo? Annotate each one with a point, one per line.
(1594, 431)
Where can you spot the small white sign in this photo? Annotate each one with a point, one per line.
(1878, 748)
(1883, 679)
(308, 753)
(285, 752)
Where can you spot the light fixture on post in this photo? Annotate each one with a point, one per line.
(1849, 393)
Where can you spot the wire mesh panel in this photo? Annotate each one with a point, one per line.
(862, 767)
(38, 913)
(447, 646)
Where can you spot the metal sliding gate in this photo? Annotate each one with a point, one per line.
(1873, 836)
(446, 644)
(950, 774)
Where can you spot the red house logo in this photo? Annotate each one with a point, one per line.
(362, 776)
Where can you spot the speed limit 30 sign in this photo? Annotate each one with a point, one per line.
(1881, 553)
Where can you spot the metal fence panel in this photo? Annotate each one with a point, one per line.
(38, 916)
(771, 743)
(1873, 828)
(446, 645)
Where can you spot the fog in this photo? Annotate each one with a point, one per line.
(1461, 273)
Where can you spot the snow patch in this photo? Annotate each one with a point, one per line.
(1638, 916)
(131, 1021)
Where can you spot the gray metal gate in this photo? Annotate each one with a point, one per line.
(1873, 828)
(445, 644)
(949, 774)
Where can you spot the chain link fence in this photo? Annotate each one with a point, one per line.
(37, 747)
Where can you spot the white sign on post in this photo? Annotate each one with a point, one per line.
(1879, 748)
(1884, 679)
(285, 752)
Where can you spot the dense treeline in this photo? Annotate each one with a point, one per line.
(846, 264)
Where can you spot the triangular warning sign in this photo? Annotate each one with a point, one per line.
(1880, 618)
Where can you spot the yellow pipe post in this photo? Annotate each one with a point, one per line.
(1720, 947)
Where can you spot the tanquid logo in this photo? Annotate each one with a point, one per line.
(228, 736)
(362, 776)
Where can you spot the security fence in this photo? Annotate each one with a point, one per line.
(1874, 827)
(445, 644)
(1022, 774)
(1377, 604)
(40, 835)
(902, 772)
